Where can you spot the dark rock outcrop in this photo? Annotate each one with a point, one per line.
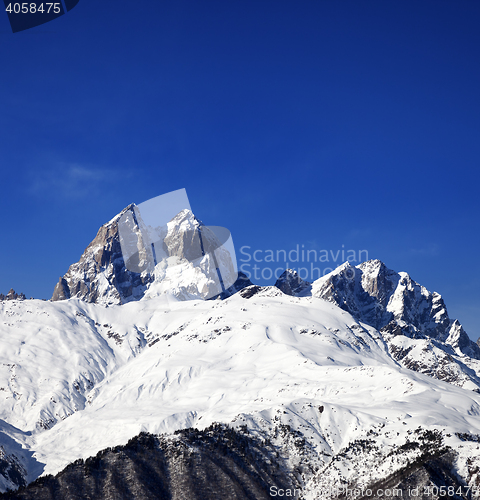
(101, 275)
(249, 291)
(12, 295)
(413, 321)
(119, 265)
(393, 302)
(241, 283)
(290, 283)
(11, 469)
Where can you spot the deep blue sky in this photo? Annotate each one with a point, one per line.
(322, 123)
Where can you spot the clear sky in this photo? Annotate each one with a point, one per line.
(310, 122)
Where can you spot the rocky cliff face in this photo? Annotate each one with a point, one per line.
(392, 302)
(100, 276)
(195, 263)
(184, 258)
(413, 321)
(290, 283)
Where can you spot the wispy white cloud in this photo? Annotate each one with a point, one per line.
(358, 234)
(69, 180)
(431, 250)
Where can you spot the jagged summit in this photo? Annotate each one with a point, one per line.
(374, 294)
(387, 300)
(100, 276)
(290, 283)
(413, 321)
(120, 264)
(12, 295)
(378, 296)
(349, 380)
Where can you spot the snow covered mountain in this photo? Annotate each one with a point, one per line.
(300, 373)
(303, 388)
(413, 321)
(386, 299)
(101, 275)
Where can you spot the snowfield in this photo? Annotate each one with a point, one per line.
(359, 378)
(76, 378)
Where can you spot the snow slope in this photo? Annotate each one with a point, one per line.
(78, 377)
(350, 378)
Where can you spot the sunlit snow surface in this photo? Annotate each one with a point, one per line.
(76, 378)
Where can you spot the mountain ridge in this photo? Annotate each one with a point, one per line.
(413, 321)
(346, 380)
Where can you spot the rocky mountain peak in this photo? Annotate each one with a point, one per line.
(290, 283)
(12, 295)
(182, 238)
(460, 341)
(377, 280)
(127, 258)
(184, 220)
(392, 302)
(100, 275)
